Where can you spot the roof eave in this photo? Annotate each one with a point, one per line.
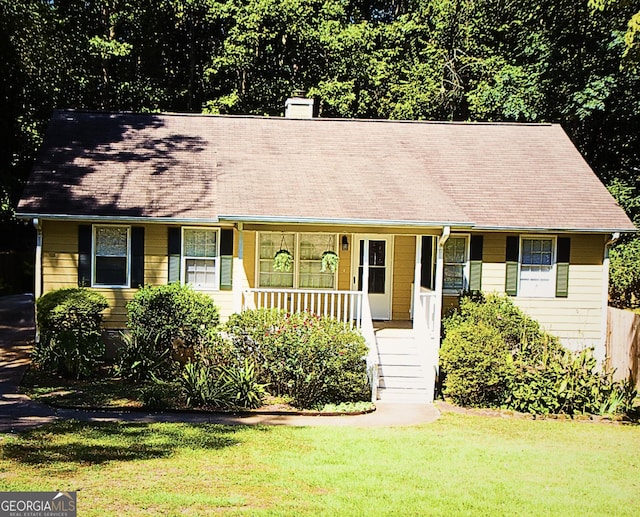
(549, 229)
(117, 218)
(341, 221)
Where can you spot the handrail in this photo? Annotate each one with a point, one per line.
(427, 336)
(373, 363)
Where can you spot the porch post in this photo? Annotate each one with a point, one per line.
(238, 272)
(365, 267)
(417, 277)
(37, 288)
(446, 231)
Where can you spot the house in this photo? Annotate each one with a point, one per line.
(416, 212)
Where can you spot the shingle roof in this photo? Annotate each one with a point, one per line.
(196, 167)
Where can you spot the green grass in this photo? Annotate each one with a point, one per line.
(461, 464)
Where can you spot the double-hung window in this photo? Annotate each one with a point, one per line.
(200, 258)
(456, 259)
(112, 251)
(537, 272)
(311, 276)
(306, 250)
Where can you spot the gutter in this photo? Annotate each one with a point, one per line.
(460, 225)
(118, 218)
(341, 221)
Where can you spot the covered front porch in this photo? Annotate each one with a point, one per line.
(395, 300)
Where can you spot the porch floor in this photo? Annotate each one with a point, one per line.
(392, 324)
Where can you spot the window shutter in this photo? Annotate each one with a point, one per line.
(511, 259)
(475, 263)
(226, 259)
(137, 256)
(174, 251)
(426, 268)
(84, 254)
(562, 267)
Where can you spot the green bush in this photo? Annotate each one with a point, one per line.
(624, 276)
(240, 384)
(569, 383)
(140, 359)
(313, 360)
(522, 334)
(168, 321)
(223, 387)
(475, 359)
(495, 356)
(70, 325)
(158, 394)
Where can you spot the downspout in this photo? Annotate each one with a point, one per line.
(437, 323)
(446, 232)
(37, 289)
(601, 353)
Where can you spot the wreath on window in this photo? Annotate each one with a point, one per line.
(283, 259)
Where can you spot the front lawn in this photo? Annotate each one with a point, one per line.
(461, 464)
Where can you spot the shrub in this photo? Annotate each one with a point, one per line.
(570, 383)
(241, 385)
(522, 334)
(475, 359)
(168, 320)
(139, 359)
(159, 394)
(229, 386)
(311, 359)
(70, 324)
(493, 355)
(201, 386)
(624, 277)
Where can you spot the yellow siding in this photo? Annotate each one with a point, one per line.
(344, 266)
(577, 319)
(404, 260)
(60, 268)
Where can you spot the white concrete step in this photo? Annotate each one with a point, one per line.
(402, 395)
(388, 346)
(399, 359)
(400, 370)
(402, 382)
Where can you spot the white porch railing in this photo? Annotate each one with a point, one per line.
(351, 307)
(345, 306)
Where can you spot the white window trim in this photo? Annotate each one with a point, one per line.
(465, 271)
(296, 258)
(551, 293)
(216, 259)
(93, 256)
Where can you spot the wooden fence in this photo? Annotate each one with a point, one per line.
(623, 343)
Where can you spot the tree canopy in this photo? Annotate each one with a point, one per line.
(567, 61)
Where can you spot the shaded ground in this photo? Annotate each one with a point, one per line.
(19, 413)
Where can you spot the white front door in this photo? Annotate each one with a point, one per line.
(373, 259)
